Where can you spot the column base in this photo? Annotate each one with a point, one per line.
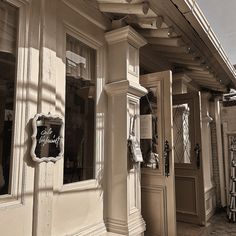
(135, 226)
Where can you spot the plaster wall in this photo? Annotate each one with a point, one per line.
(78, 207)
(228, 115)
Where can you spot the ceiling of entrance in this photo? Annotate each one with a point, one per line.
(177, 40)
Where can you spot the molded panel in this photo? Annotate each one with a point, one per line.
(186, 195)
(153, 209)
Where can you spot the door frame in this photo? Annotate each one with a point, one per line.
(192, 171)
(156, 186)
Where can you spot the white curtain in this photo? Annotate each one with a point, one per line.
(80, 59)
(8, 26)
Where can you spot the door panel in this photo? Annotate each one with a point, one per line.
(188, 168)
(158, 195)
(189, 185)
(155, 222)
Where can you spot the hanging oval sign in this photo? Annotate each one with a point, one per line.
(47, 138)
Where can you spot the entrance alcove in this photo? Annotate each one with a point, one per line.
(196, 164)
(157, 173)
(177, 188)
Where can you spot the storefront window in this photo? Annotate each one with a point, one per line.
(79, 111)
(8, 41)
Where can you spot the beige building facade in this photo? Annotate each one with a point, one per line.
(78, 79)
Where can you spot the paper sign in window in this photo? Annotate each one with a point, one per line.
(146, 126)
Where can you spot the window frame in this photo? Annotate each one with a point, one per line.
(97, 46)
(19, 136)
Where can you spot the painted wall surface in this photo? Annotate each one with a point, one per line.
(45, 205)
(80, 205)
(39, 195)
(228, 115)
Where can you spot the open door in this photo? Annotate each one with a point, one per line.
(187, 157)
(157, 182)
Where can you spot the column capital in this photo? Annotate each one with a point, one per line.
(180, 83)
(182, 77)
(125, 86)
(206, 95)
(207, 119)
(126, 33)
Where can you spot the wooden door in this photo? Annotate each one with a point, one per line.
(158, 194)
(187, 157)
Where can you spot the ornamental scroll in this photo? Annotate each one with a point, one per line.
(47, 138)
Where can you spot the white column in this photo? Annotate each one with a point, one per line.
(206, 140)
(206, 152)
(123, 205)
(220, 151)
(226, 157)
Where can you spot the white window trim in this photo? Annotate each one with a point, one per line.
(98, 143)
(19, 137)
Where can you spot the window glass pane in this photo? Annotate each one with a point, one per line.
(80, 111)
(149, 129)
(181, 130)
(8, 36)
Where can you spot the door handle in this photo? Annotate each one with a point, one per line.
(197, 150)
(167, 158)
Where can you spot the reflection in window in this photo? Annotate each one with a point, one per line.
(133, 63)
(8, 35)
(148, 130)
(80, 111)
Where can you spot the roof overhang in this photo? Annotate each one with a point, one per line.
(194, 15)
(179, 38)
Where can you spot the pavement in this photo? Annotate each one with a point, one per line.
(218, 226)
